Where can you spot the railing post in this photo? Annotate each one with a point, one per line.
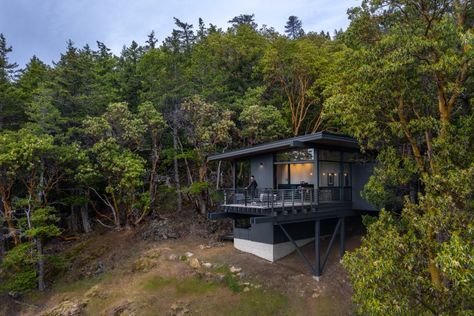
(245, 197)
(293, 200)
(282, 199)
(225, 197)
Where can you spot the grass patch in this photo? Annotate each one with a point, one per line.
(232, 282)
(189, 286)
(261, 302)
(157, 283)
(230, 279)
(81, 285)
(195, 286)
(77, 249)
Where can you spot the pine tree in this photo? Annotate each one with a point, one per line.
(202, 31)
(294, 27)
(7, 75)
(151, 41)
(244, 19)
(185, 34)
(130, 82)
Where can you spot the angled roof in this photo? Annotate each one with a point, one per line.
(320, 138)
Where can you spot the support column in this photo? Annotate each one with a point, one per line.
(234, 174)
(317, 247)
(342, 235)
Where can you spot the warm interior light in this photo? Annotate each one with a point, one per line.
(324, 173)
(310, 173)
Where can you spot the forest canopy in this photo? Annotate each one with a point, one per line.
(107, 140)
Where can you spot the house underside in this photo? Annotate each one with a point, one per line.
(306, 185)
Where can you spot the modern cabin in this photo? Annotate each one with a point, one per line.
(303, 184)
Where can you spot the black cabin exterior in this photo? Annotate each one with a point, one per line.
(302, 182)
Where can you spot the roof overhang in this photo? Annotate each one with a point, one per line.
(319, 139)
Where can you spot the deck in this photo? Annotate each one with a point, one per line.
(270, 202)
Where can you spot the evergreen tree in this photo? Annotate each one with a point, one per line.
(202, 31)
(8, 96)
(129, 80)
(294, 27)
(151, 41)
(244, 19)
(184, 34)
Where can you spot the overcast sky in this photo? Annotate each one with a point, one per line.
(42, 27)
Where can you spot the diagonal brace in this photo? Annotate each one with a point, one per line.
(298, 250)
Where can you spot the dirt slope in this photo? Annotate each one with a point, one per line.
(119, 273)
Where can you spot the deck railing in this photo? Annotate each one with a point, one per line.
(285, 197)
(270, 197)
(335, 194)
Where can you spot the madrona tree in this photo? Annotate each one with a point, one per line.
(405, 89)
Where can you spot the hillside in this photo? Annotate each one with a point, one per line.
(121, 273)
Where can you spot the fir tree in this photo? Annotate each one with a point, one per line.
(151, 41)
(294, 27)
(185, 34)
(244, 19)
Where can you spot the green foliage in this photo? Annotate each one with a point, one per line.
(390, 180)
(297, 68)
(18, 269)
(400, 75)
(43, 223)
(392, 270)
(260, 123)
(196, 187)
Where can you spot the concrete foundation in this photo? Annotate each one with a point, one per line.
(270, 252)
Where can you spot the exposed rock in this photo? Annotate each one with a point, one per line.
(211, 245)
(178, 309)
(100, 268)
(173, 257)
(144, 265)
(235, 269)
(246, 289)
(92, 269)
(189, 254)
(153, 253)
(194, 263)
(219, 277)
(160, 230)
(66, 308)
(207, 265)
(94, 292)
(125, 309)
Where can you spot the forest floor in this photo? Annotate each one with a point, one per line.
(126, 273)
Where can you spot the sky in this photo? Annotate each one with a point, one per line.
(42, 27)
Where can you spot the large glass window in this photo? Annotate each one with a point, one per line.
(294, 174)
(282, 174)
(329, 174)
(301, 173)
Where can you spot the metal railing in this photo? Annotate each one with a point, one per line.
(335, 194)
(269, 197)
(284, 197)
